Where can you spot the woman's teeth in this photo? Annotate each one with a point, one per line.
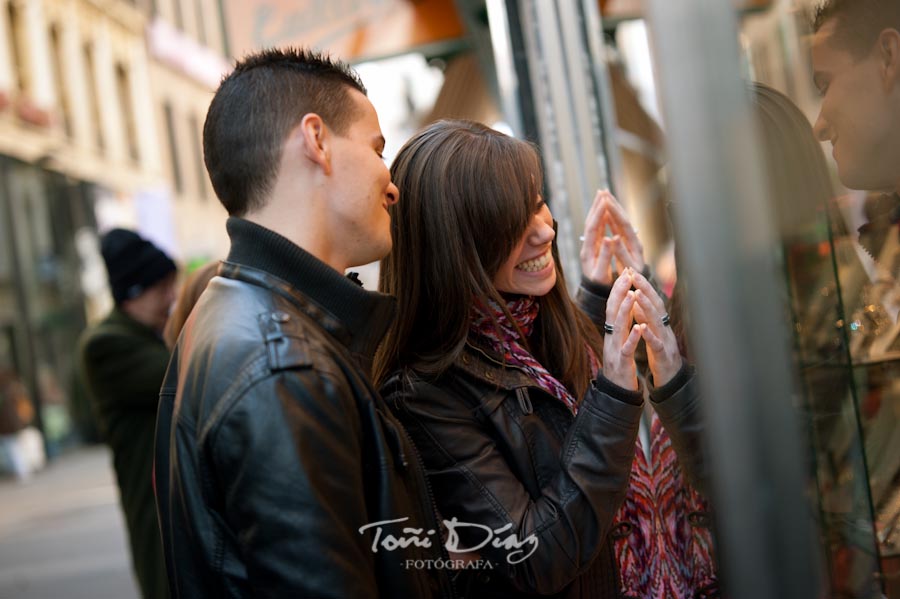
(539, 263)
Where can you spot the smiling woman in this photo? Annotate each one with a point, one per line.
(530, 269)
(496, 372)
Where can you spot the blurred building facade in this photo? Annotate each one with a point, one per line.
(101, 109)
(187, 48)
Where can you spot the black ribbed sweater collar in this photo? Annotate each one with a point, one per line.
(364, 314)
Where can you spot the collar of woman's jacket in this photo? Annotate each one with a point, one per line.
(494, 382)
(489, 367)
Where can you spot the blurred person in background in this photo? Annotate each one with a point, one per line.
(194, 286)
(21, 445)
(526, 416)
(123, 362)
(276, 461)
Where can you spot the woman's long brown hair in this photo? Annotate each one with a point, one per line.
(467, 195)
(193, 287)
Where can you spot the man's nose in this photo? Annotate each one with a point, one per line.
(393, 194)
(821, 129)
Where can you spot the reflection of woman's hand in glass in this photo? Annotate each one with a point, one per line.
(629, 251)
(662, 347)
(621, 336)
(597, 251)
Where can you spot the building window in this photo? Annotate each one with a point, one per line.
(15, 48)
(126, 101)
(173, 148)
(199, 167)
(62, 90)
(93, 94)
(201, 23)
(179, 15)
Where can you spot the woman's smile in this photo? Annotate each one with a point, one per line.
(536, 265)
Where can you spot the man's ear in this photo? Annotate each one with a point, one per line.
(889, 57)
(316, 141)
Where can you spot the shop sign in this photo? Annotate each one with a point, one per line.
(353, 30)
(172, 47)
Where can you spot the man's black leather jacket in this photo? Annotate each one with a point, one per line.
(273, 449)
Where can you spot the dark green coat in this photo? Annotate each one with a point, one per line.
(123, 364)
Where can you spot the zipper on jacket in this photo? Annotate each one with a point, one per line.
(395, 440)
(524, 400)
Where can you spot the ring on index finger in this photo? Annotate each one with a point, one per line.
(608, 328)
(666, 320)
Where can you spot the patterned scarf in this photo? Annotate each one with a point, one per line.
(661, 535)
(508, 344)
(662, 548)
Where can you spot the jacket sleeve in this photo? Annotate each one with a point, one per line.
(475, 483)
(117, 368)
(288, 461)
(591, 298)
(679, 408)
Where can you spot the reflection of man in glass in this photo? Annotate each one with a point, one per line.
(856, 63)
(856, 59)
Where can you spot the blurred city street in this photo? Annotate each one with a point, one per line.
(62, 534)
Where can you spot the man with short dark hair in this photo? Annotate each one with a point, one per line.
(123, 362)
(274, 454)
(856, 63)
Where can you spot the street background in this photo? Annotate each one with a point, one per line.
(62, 534)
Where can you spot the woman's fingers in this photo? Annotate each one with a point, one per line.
(663, 355)
(652, 314)
(639, 315)
(624, 316)
(631, 342)
(623, 255)
(616, 212)
(618, 357)
(641, 283)
(622, 225)
(601, 271)
(616, 295)
(593, 227)
(599, 199)
(654, 343)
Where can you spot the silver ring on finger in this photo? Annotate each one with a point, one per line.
(666, 321)
(608, 328)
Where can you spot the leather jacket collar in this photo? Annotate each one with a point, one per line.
(488, 367)
(356, 317)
